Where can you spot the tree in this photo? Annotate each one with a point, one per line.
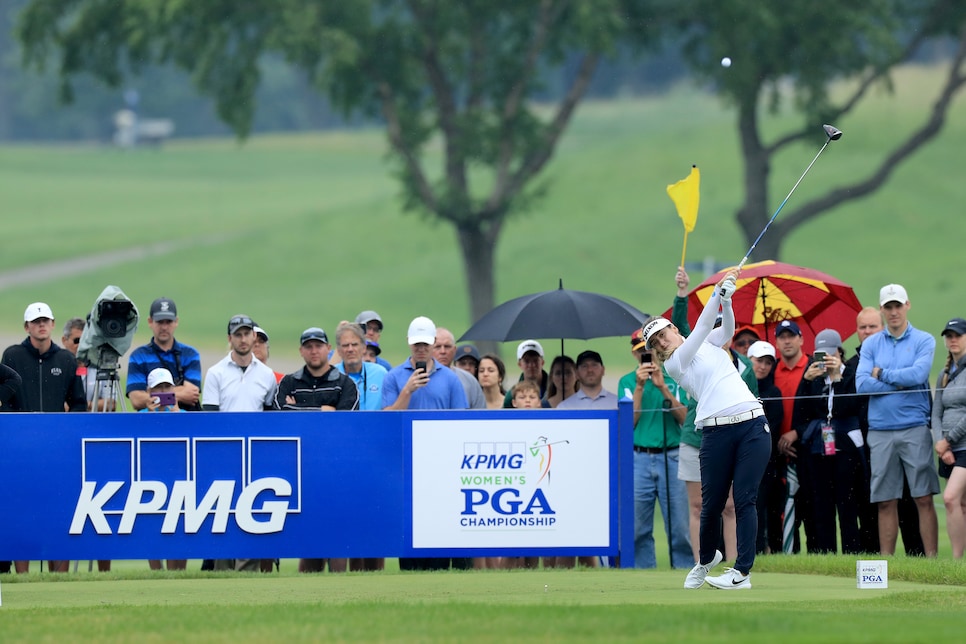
(792, 52)
(462, 73)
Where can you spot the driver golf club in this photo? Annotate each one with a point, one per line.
(833, 134)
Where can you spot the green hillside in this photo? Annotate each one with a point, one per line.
(308, 230)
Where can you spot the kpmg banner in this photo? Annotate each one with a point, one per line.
(339, 484)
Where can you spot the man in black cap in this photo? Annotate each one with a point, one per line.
(165, 351)
(319, 386)
(239, 381)
(591, 395)
(468, 359)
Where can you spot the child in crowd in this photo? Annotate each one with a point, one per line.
(525, 395)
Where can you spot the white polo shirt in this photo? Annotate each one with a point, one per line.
(235, 389)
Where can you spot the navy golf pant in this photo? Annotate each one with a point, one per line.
(732, 455)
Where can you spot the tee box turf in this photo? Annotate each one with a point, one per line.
(872, 573)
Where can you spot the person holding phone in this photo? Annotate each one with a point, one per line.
(161, 396)
(831, 448)
(423, 383)
(658, 415)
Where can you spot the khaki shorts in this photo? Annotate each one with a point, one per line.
(903, 450)
(689, 466)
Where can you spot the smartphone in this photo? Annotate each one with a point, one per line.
(420, 364)
(165, 398)
(820, 358)
(646, 358)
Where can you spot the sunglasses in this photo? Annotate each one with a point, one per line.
(75, 340)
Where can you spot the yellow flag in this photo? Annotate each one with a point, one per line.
(686, 194)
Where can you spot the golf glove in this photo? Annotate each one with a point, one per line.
(728, 288)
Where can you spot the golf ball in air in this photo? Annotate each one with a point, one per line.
(726, 62)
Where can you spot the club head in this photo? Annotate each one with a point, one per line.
(832, 132)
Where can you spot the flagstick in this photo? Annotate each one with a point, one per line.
(684, 250)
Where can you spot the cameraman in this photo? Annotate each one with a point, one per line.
(163, 350)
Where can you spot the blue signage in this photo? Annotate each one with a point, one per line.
(336, 484)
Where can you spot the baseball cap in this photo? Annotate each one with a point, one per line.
(651, 329)
(467, 351)
(421, 331)
(828, 341)
(240, 321)
(260, 332)
(747, 329)
(368, 316)
(956, 325)
(313, 333)
(761, 349)
(637, 339)
(529, 345)
(159, 376)
(36, 311)
(374, 345)
(787, 325)
(163, 309)
(587, 356)
(892, 293)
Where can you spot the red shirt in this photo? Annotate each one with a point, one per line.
(787, 380)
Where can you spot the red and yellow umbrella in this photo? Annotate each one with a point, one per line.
(769, 292)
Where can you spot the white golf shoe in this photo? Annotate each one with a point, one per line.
(695, 578)
(730, 580)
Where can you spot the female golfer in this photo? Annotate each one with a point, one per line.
(735, 439)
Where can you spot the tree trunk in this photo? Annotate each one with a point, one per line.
(753, 214)
(479, 247)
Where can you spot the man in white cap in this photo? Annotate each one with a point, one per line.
(262, 350)
(530, 360)
(897, 361)
(421, 382)
(49, 381)
(771, 492)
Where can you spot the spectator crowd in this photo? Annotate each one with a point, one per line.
(855, 439)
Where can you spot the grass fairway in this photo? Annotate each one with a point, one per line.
(545, 605)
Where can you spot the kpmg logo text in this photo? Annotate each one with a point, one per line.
(188, 485)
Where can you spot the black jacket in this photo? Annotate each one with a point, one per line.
(771, 402)
(49, 379)
(10, 394)
(811, 403)
(333, 388)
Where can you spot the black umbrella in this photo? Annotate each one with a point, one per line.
(560, 313)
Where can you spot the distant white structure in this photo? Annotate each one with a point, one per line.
(130, 131)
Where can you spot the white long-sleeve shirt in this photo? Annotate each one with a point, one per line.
(705, 370)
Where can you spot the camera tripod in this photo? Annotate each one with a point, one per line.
(107, 394)
(107, 389)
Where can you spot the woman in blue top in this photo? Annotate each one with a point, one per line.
(735, 438)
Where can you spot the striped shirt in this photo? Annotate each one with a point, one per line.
(181, 360)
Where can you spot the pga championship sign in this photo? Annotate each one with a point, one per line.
(511, 483)
(337, 484)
